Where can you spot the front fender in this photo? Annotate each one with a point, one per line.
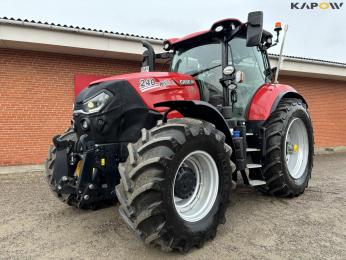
(200, 110)
(267, 98)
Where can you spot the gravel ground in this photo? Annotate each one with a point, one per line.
(34, 224)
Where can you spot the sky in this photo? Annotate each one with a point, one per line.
(316, 33)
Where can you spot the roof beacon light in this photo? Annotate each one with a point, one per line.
(278, 27)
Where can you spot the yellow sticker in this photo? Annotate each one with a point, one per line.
(78, 168)
(295, 148)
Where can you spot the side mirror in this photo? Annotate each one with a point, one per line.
(254, 28)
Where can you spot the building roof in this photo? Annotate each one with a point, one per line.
(85, 29)
(68, 39)
(308, 59)
(48, 24)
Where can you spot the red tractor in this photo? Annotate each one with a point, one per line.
(169, 145)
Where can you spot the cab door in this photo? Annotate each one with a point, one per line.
(253, 62)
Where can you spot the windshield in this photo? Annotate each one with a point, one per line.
(204, 63)
(192, 60)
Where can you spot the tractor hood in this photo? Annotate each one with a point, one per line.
(154, 87)
(115, 109)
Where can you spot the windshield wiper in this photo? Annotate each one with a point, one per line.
(205, 70)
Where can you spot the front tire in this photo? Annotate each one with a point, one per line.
(151, 202)
(289, 149)
(50, 161)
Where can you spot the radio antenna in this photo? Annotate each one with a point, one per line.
(280, 61)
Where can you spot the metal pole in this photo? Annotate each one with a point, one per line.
(280, 56)
(225, 101)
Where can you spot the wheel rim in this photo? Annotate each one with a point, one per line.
(198, 203)
(296, 148)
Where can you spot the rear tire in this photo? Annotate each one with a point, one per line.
(147, 191)
(282, 180)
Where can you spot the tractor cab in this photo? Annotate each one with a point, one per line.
(229, 62)
(204, 62)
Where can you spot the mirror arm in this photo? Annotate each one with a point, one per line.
(164, 55)
(235, 32)
(273, 45)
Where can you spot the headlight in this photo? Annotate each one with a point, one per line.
(96, 103)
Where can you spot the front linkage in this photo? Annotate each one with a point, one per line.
(77, 171)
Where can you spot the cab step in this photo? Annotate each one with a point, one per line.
(253, 149)
(253, 166)
(251, 182)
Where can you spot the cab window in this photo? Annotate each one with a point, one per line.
(250, 61)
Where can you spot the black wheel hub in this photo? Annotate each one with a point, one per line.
(185, 183)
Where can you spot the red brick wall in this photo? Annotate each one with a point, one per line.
(37, 93)
(36, 97)
(327, 105)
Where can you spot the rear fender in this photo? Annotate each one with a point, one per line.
(267, 98)
(200, 110)
(287, 94)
